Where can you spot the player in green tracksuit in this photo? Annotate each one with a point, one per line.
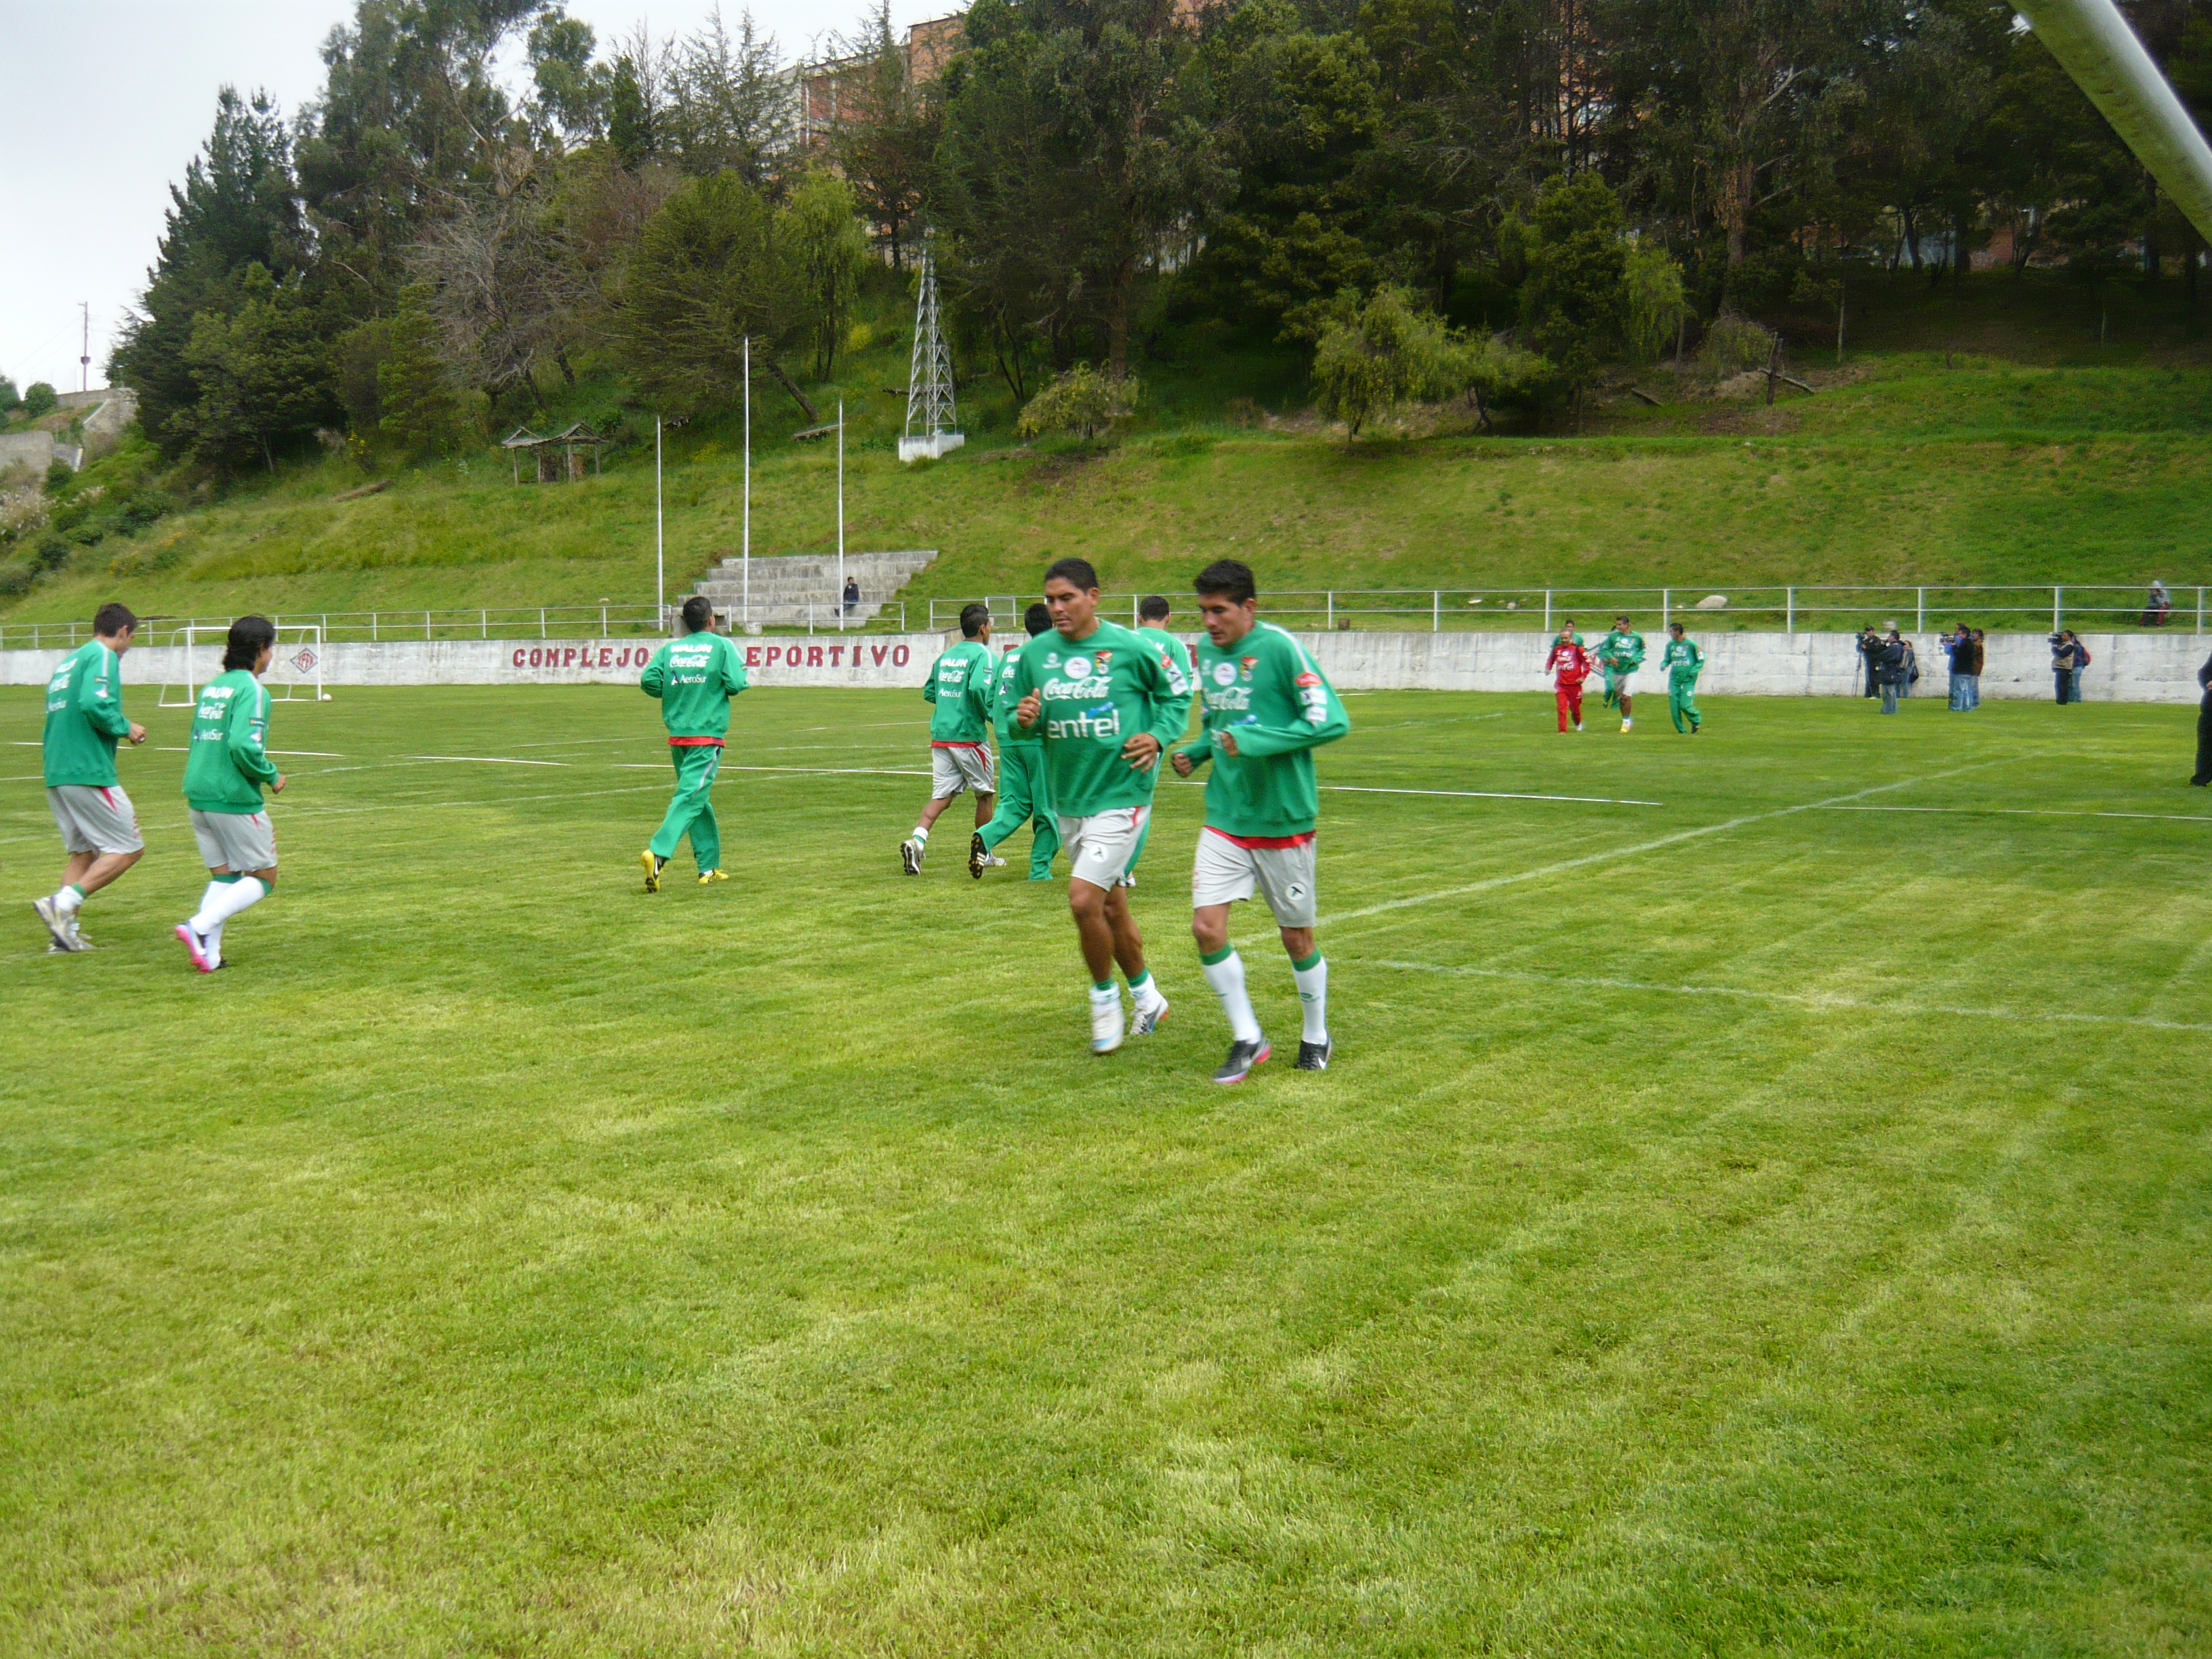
(1106, 703)
(963, 683)
(98, 825)
(1683, 661)
(1620, 653)
(695, 677)
(1154, 615)
(1023, 796)
(226, 766)
(1266, 708)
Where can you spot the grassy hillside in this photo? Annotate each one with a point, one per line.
(1910, 465)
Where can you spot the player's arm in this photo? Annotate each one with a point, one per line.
(100, 700)
(733, 670)
(1029, 704)
(246, 736)
(929, 685)
(980, 693)
(655, 677)
(1181, 682)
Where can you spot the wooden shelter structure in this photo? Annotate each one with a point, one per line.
(556, 457)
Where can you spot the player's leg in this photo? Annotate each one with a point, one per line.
(99, 833)
(1690, 707)
(706, 832)
(239, 850)
(1100, 848)
(676, 821)
(1560, 702)
(1285, 879)
(1150, 1004)
(1044, 838)
(1575, 704)
(946, 781)
(1221, 874)
(1011, 806)
(1627, 704)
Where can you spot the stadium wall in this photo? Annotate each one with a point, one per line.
(2125, 668)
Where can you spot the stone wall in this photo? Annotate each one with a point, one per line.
(2125, 667)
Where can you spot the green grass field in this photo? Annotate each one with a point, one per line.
(1763, 1209)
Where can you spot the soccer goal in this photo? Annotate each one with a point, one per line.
(295, 669)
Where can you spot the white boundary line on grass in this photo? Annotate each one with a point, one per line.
(486, 760)
(1487, 795)
(809, 771)
(1818, 1002)
(2032, 812)
(1608, 856)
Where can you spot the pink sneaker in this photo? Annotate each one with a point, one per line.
(196, 947)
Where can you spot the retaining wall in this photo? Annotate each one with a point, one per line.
(2125, 667)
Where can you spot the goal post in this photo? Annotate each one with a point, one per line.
(294, 672)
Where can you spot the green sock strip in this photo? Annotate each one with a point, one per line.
(1102, 984)
(1211, 958)
(78, 891)
(1300, 967)
(1138, 980)
(227, 879)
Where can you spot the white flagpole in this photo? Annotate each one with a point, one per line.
(745, 558)
(659, 540)
(840, 515)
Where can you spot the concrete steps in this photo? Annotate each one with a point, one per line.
(784, 588)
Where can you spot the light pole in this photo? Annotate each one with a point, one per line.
(659, 541)
(840, 515)
(745, 551)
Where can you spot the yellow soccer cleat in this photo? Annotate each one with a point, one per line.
(709, 878)
(651, 870)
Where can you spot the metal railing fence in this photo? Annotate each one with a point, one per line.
(1788, 609)
(551, 621)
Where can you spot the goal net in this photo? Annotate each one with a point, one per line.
(295, 667)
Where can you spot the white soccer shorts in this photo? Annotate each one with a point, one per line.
(955, 767)
(95, 819)
(1224, 873)
(1101, 845)
(242, 841)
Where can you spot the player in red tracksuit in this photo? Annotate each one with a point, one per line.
(1571, 664)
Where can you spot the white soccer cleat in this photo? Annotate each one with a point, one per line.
(1628, 725)
(993, 861)
(1149, 1012)
(1106, 1025)
(910, 855)
(58, 922)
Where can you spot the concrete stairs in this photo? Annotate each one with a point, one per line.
(784, 588)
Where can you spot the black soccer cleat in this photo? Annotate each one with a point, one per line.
(1315, 1057)
(979, 856)
(1242, 1057)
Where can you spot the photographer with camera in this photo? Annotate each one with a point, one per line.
(2068, 657)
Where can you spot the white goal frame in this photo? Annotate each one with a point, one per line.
(296, 666)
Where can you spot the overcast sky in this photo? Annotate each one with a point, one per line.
(107, 101)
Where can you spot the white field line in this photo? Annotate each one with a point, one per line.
(1817, 1002)
(2030, 812)
(1608, 856)
(810, 771)
(486, 760)
(313, 754)
(1487, 795)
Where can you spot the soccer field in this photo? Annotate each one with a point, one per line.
(1760, 1204)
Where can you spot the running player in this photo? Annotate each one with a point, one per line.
(1571, 664)
(1023, 795)
(98, 825)
(962, 685)
(1106, 703)
(1268, 706)
(227, 765)
(1152, 614)
(1620, 653)
(694, 677)
(1683, 661)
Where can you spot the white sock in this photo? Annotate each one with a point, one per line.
(919, 834)
(1313, 998)
(1226, 977)
(68, 901)
(226, 899)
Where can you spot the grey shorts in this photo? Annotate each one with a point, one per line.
(235, 840)
(1102, 846)
(1225, 872)
(95, 819)
(955, 767)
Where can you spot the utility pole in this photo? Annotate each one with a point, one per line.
(840, 515)
(745, 547)
(84, 362)
(659, 552)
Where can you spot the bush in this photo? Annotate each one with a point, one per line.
(1734, 343)
(1082, 401)
(59, 474)
(41, 399)
(51, 552)
(9, 397)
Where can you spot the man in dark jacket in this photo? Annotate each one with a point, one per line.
(2203, 774)
(1870, 649)
(1893, 662)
